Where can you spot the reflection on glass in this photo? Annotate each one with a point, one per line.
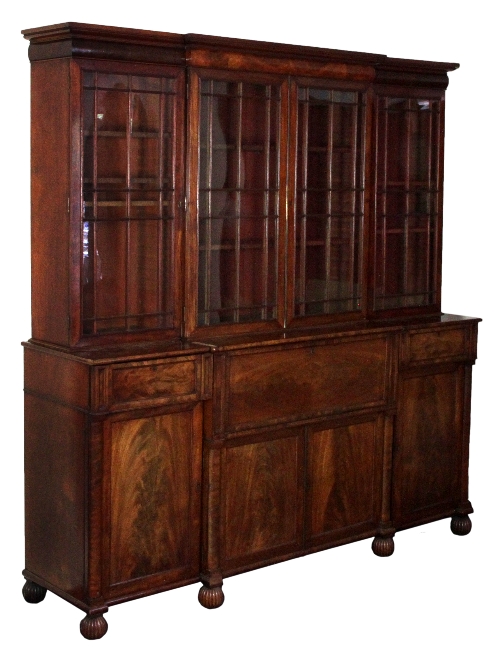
(128, 164)
(407, 202)
(238, 202)
(329, 201)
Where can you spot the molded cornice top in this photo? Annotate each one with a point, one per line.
(81, 40)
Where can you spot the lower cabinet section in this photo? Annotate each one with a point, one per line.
(132, 489)
(152, 481)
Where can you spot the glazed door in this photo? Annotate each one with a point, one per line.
(132, 167)
(151, 495)
(237, 202)
(408, 202)
(328, 131)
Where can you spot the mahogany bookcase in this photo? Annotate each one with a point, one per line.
(238, 353)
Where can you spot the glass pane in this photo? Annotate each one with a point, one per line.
(407, 202)
(329, 201)
(110, 251)
(238, 201)
(111, 161)
(128, 162)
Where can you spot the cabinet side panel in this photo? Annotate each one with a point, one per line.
(50, 169)
(55, 493)
(60, 378)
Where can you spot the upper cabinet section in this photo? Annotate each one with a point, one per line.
(295, 186)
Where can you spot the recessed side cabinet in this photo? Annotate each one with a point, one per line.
(238, 353)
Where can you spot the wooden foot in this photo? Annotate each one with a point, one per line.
(33, 593)
(461, 524)
(383, 546)
(93, 627)
(211, 597)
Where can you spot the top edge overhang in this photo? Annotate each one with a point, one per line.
(88, 33)
(63, 31)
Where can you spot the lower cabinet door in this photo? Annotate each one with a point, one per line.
(344, 480)
(262, 499)
(291, 490)
(151, 481)
(429, 445)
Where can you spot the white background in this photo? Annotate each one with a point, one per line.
(437, 590)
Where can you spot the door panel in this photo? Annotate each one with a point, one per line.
(344, 479)
(428, 445)
(262, 499)
(154, 469)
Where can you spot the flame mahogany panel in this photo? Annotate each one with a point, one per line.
(315, 379)
(154, 471)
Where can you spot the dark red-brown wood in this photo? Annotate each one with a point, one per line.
(238, 353)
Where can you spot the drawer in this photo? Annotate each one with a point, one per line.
(297, 383)
(146, 383)
(428, 345)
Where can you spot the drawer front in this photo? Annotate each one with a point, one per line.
(146, 383)
(303, 382)
(437, 344)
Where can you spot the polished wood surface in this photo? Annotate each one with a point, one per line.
(344, 481)
(316, 380)
(262, 499)
(238, 351)
(428, 444)
(55, 494)
(154, 471)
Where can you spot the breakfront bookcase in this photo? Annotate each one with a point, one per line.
(238, 354)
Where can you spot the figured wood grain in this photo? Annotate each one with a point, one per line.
(343, 468)
(252, 62)
(299, 453)
(437, 344)
(294, 383)
(146, 381)
(261, 497)
(153, 473)
(428, 445)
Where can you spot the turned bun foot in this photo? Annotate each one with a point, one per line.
(33, 593)
(211, 597)
(93, 627)
(461, 524)
(383, 546)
